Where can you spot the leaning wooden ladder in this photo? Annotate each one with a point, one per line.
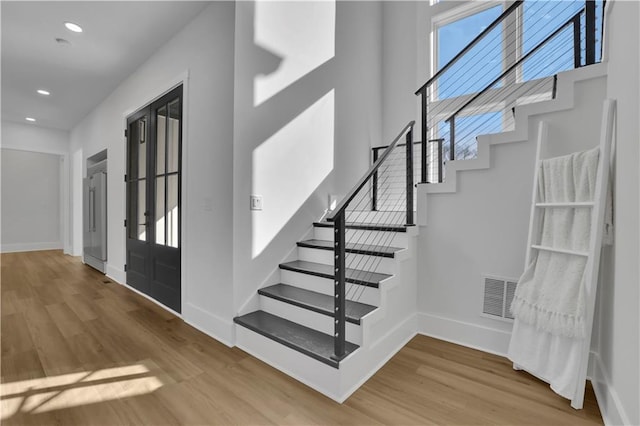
(597, 207)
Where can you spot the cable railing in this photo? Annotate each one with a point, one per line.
(458, 104)
(357, 263)
(513, 61)
(566, 49)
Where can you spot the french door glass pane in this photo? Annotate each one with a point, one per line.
(141, 148)
(173, 217)
(132, 231)
(161, 126)
(141, 227)
(173, 135)
(138, 150)
(160, 211)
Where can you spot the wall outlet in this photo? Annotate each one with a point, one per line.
(256, 202)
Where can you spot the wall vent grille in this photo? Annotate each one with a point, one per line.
(497, 298)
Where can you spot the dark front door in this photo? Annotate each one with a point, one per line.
(154, 141)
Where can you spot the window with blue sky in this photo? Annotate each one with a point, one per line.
(453, 37)
(512, 39)
(484, 62)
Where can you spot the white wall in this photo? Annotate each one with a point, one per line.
(204, 49)
(494, 241)
(28, 137)
(31, 138)
(619, 381)
(481, 230)
(30, 201)
(400, 46)
(309, 134)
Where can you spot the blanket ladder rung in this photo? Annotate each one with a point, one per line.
(557, 250)
(572, 204)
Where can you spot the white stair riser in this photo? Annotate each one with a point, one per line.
(359, 293)
(383, 265)
(311, 319)
(319, 376)
(395, 217)
(392, 239)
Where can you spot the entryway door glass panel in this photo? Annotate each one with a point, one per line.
(153, 209)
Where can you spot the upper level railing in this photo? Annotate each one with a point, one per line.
(456, 103)
(569, 44)
(351, 268)
(385, 193)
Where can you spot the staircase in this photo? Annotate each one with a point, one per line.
(298, 311)
(347, 303)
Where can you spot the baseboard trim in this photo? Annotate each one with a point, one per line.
(408, 329)
(116, 274)
(210, 324)
(262, 340)
(15, 248)
(497, 342)
(466, 334)
(609, 403)
(149, 298)
(396, 339)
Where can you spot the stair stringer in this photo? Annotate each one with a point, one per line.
(385, 331)
(564, 101)
(397, 298)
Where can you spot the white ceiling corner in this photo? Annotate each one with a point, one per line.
(118, 37)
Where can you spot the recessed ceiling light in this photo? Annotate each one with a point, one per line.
(73, 27)
(44, 92)
(30, 119)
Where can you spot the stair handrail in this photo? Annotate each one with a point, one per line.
(423, 89)
(469, 46)
(340, 208)
(574, 20)
(589, 10)
(338, 217)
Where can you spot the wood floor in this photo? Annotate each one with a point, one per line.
(79, 349)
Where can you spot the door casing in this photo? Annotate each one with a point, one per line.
(154, 269)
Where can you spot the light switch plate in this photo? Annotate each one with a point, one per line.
(256, 202)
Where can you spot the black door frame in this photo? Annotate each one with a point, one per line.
(154, 269)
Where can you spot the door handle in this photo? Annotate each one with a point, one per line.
(94, 210)
(91, 210)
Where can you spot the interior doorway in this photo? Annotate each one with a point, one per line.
(153, 179)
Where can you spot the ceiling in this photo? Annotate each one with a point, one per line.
(118, 37)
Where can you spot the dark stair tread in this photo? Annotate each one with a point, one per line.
(356, 248)
(305, 340)
(317, 302)
(354, 276)
(367, 226)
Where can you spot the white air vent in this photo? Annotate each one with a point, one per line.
(498, 294)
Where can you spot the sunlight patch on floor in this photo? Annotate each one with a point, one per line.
(70, 390)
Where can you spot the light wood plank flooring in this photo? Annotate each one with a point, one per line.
(78, 349)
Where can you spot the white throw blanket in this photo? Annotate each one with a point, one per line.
(551, 293)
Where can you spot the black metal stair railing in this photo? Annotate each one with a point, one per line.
(567, 48)
(384, 197)
(354, 271)
(455, 121)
